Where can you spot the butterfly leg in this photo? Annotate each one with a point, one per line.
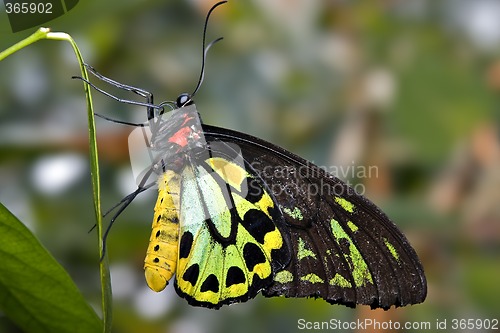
(141, 92)
(123, 204)
(149, 104)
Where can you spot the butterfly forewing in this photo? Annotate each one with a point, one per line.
(342, 247)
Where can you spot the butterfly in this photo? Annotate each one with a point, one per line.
(237, 216)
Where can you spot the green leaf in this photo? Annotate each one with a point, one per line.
(35, 291)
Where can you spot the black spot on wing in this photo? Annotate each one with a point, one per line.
(252, 255)
(211, 283)
(258, 224)
(186, 244)
(191, 274)
(234, 276)
(255, 191)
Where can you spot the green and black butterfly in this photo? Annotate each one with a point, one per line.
(236, 216)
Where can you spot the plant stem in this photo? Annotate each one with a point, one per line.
(44, 33)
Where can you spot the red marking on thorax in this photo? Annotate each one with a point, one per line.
(181, 136)
(186, 119)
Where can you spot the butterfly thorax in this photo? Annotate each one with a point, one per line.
(176, 136)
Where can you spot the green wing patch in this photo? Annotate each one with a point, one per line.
(357, 264)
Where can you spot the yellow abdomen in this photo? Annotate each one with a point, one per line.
(161, 257)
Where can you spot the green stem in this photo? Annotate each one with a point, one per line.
(39, 34)
(44, 33)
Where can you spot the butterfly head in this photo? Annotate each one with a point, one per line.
(184, 99)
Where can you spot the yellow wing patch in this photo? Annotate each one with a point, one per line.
(230, 172)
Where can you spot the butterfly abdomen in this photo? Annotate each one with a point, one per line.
(161, 257)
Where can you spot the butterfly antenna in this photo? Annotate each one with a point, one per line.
(205, 49)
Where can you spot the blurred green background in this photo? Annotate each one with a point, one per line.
(410, 87)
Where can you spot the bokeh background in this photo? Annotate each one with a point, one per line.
(410, 87)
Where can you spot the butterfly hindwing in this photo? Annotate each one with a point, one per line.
(230, 246)
(342, 247)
